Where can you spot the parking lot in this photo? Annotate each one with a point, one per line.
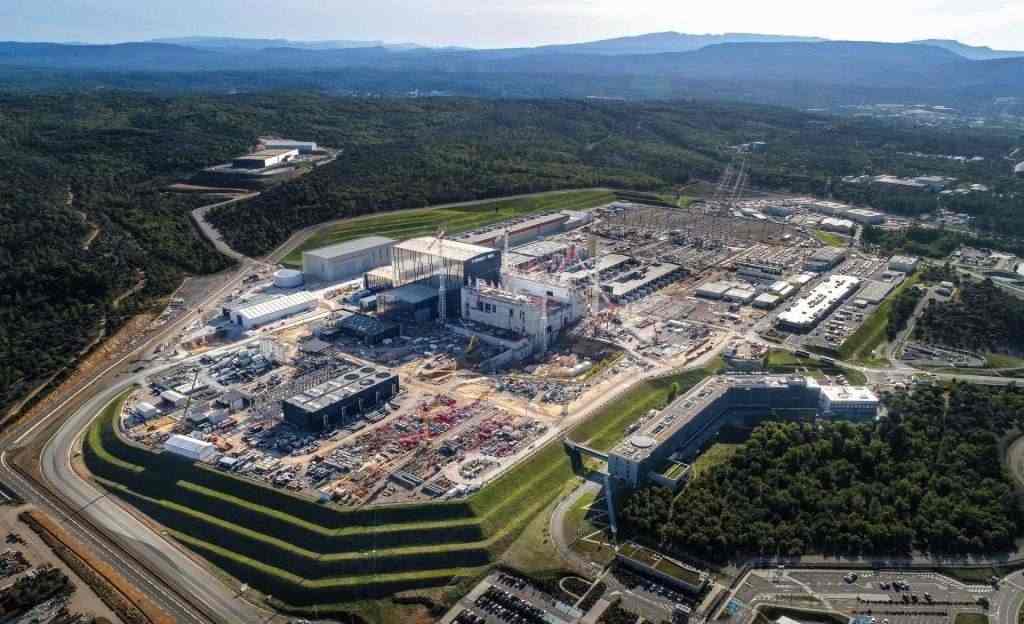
(885, 597)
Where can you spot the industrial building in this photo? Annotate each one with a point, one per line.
(807, 311)
(713, 290)
(694, 418)
(643, 280)
(302, 147)
(865, 216)
(520, 233)
(904, 264)
(288, 278)
(348, 260)
(824, 259)
(264, 158)
(875, 291)
(739, 295)
(368, 329)
(341, 400)
(760, 270)
(525, 307)
(427, 265)
(269, 310)
(766, 301)
(190, 448)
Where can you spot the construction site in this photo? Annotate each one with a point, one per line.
(391, 371)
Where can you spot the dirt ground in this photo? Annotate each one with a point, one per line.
(84, 600)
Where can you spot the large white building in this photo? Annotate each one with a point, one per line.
(527, 307)
(271, 310)
(190, 448)
(347, 260)
(303, 147)
(264, 158)
(807, 311)
(852, 402)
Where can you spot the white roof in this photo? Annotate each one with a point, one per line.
(451, 249)
(145, 406)
(172, 396)
(186, 445)
(1019, 168)
(839, 394)
(276, 305)
(809, 308)
(903, 259)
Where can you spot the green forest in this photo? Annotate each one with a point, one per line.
(85, 219)
(982, 317)
(926, 478)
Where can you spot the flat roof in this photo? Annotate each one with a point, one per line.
(266, 153)
(875, 291)
(446, 248)
(346, 248)
(811, 307)
(344, 384)
(849, 393)
(654, 272)
(275, 305)
(828, 254)
(541, 248)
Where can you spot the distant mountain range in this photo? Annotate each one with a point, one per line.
(800, 71)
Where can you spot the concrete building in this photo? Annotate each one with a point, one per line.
(760, 270)
(146, 410)
(904, 264)
(348, 260)
(173, 397)
(865, 216)
(642, 280)
(288, 278)
(766, 301)
(342, 400)
(694, 418)
(190, 448)
(264, 158)
(739, 295)
(302, 147)
(848, 402)
(807, 311)
(274, 309)
(713, 290)
(520, 233)
(824, 259)
(524, 307)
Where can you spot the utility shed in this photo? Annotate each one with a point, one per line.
(190, 448)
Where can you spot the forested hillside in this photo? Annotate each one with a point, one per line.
(983, 317)
(410, 153)
(926, 478)
(85, 220)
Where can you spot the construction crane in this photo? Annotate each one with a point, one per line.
(442, 290)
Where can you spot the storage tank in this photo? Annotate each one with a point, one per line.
(287, 278)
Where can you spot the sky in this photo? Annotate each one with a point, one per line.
(506, 23)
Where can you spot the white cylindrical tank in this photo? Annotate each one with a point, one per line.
(287, 278)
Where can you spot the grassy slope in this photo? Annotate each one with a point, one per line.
(868, 336)
(830, 238)
(780, 361)
(718, 454)
(503, 510)
(425, 221)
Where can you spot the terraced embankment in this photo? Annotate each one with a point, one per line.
(306, 553)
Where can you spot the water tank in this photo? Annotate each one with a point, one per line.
(287, 278)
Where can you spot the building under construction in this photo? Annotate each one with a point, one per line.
(422, 269)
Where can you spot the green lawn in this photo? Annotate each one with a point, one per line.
(718, 454)
(971, 618)
(425, 221)
(830, 238)
(1001, 360)
(868, 336)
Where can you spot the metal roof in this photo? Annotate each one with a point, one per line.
(445, 248)
(276, 305)
(349, 247)
(186, 445)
